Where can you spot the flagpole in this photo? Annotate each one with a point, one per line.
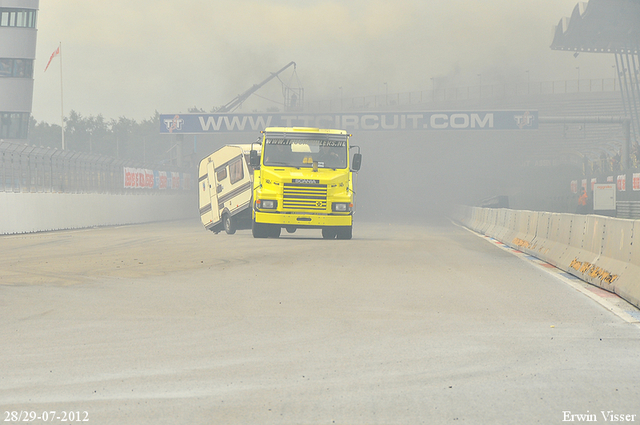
(61, 97)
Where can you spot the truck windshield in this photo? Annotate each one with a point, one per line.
(303, 153)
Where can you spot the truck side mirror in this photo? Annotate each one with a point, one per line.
(254, 158)
(357, 161)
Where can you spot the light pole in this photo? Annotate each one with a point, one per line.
(386, 94)
(433, 89)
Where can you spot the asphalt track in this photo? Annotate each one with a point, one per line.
(167, 323)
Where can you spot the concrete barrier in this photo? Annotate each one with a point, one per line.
(559, 234)
(577, 227)
(504, 225)
(615, 238)
(489, 220)
(600, 250)
(541, 243)
(38, 212)
(512, 228)
(627, 284)
(495, 220)
(526, 231)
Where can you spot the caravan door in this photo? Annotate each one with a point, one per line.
(208, 197)
(234, 191)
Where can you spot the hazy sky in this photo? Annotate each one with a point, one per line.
(131, 58)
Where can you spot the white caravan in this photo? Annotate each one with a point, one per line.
(224, 187)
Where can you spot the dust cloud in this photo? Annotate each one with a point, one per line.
(417, 176)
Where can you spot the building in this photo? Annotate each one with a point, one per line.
(18, 19)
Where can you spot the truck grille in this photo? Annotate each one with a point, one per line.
(304, 196)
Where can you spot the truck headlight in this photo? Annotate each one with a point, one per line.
(341, 207)
(267, 204)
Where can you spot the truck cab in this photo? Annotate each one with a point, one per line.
(304, 179)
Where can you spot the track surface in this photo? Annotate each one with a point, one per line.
(167, 323)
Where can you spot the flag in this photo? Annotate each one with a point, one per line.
(53, 55)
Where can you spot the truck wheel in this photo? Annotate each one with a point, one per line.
(229, 224)
(274, 231)
(259, 230)
(345, 232)
(329, 233)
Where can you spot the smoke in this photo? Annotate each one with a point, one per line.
(125, 58)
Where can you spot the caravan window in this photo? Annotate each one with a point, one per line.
(236, 172)
(221, 174)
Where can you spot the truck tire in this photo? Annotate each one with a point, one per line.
(274, 231)
(345, 232)
(229, 224)
(259, 230)
(329, 233)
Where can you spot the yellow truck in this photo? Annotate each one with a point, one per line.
(304, 179)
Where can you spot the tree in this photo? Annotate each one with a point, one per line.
(44, 134)
(123, 138)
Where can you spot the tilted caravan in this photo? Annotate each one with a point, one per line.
(224, 187)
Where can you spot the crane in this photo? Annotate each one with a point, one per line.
(238, 100)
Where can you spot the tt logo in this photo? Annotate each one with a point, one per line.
(525, 120)
(174, 124)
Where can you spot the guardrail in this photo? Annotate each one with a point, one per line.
(597, 249)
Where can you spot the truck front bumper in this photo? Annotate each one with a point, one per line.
(302, 220)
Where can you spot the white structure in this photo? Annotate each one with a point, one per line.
(18, 19)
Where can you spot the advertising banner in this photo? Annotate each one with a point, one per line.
(138, 178)
(357, 121)
(574, 186)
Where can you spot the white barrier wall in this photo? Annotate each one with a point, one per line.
(599, 250)
(36, 212)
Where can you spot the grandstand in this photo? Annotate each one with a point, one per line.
(560, 153)
(610, 27)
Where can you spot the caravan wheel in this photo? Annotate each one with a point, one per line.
(229, 225)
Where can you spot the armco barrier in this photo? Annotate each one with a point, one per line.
(600, 250)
